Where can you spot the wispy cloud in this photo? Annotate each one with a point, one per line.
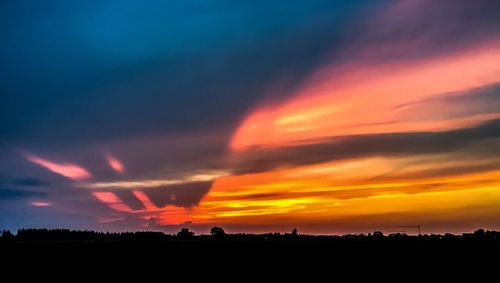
(362, 98)
(115, 164)
(145, 200)
(41, 203)
(113, 201)
(28, 182)
(68, 170)
(345, 189)
(10, 193)
(156, 183)
(366, 146)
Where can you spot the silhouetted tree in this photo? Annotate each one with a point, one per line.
(48, 235)
(217, 232)
(185, 233)
(479, 233)
(7, 235)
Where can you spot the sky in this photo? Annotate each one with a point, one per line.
(326, 116)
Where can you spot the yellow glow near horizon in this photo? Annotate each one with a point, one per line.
(317, 193)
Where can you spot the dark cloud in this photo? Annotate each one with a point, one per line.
(10, 193)
(72, 81)
(201, 67)
(405, 30)
(129, 199)
(481, 100)
(183, 195)
(397, 144)
(28, 182)
(459, 169)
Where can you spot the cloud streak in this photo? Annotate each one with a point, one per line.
(115, 164)
(204, 176)
(112, 200)
(10, 193)
(349, 147)
(40, 203)
(68, 170)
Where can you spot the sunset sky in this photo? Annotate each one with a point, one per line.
(256, 116)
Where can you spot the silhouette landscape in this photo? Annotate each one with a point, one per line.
(424, 252)
(218, 237)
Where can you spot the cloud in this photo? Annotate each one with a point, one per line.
(160, 205)
(145, 200)
(426, 185)
(29, 182)
(155, 194)
(129, 199)
(463, 168)
(112, 200)
(25, 182)
(68, 170)
(404, 51)
(348, 147)
(362, 98)
(480, 100)
(192, 177)
(9, 193)
(142, 82)
(182, 195)
(406, 30)
(115, 164)
(40, 203)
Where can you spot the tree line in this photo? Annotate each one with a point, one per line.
(218, 233)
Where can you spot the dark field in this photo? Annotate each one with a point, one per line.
(374, 249)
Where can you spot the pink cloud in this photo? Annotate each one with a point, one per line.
(104, 219)
(145, 200)
(40, 203)
(115, 163)
(112, 200)
(68, 170)
(364, 98)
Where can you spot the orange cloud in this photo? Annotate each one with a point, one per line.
(68, 170)
(172, 215)
(115, 164)
(162, 215)
(360, 98)
(353, 99)
(343, 190)
(413, 188)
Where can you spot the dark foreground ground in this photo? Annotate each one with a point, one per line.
(250, 254)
